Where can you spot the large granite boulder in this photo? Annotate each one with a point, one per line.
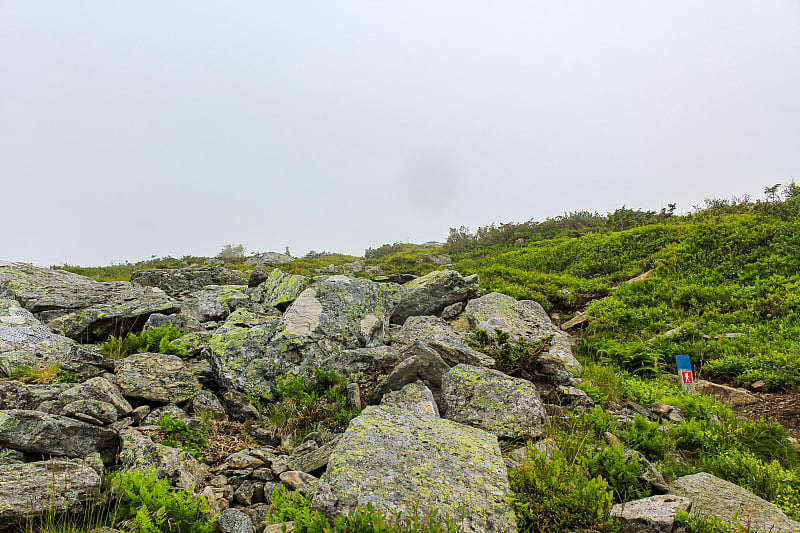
(421, 363)
(487, 399)
(52, 435)
(238, 351)
(712, 496)
(439, 336)
(79, 307)
(156, 377)
(528, 320)
(336, 313)
(176, 281)
(25, 341)
(268, 258)
(30, 490)
(96, 401)
(432, 293)
(279, 289)
(396, 459)
(214, 302)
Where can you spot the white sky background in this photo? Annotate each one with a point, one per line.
(172, 128)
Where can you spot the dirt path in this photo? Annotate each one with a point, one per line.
(782, 406)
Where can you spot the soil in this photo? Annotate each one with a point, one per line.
(782, 406)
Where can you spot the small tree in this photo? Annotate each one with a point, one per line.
(231, 250)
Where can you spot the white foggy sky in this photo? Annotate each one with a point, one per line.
(172, 128)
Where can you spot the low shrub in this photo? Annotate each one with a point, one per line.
(151, 340)
(178, 434)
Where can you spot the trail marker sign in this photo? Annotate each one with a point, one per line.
(685, 371)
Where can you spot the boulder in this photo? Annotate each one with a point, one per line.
(175, 281)
(234, 521)
(30, 490)
(279, 289)
(368, 361)
(415, 397)
(268, 258)
(526, 319)
(432, 293)
(139, 453)
(487, 399)
(93, 394)
(712, 496)
(239, 351)
(214, 302)
(156, 377)
(439, 336)
(655, 514)
(313, 460)
(52, 435)
(179, 321)
(420, 363)
(429, 463)
(336, 313)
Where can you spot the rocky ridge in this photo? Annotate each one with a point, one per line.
(434, 409)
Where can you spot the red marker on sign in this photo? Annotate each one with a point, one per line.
(687, 377)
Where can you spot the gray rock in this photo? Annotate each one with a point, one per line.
(300, 481)
(314, 460)
(526, 319)
(432, 462)
(37, 432)
(206, 403)
(17, 395)
(279, 289)
(452, 311)
(268, 258)
(175, 281)
(368, 361)
(98, 398)
(156, 377)
(438, 335)
(655, 514)
(432, 293)
(238, 406)
(251, 491)
(712, 496)
(649, 473)
(214, 302)
(139, 453)
(30, 490)
(234, 521)
(336, 313)
(180, 321)
(415, 397)
(421, 363)
(485, 398)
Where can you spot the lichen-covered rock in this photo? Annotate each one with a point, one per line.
(268, 258)
(526, 319)
(336, 313)
(157, 377)
(30, 490)
(712, 496)
(139, 453)
(214, 302)
(367, 361)
(239, 352)
(396, 459)
(415, 397)
(25, 341)
(52, 435)
(438, 335)
(179, 321)
(485, 398)
(175, 281)
(279, 289)
(432, 293)
(420, 363)
(79, 307)
(655, 514)
(350, 312)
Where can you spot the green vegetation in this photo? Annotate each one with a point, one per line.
(180, 435)
(147, 505)
(300, 405)
(294, 506)
(151, 340)
(509, 355)
(42, 376)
